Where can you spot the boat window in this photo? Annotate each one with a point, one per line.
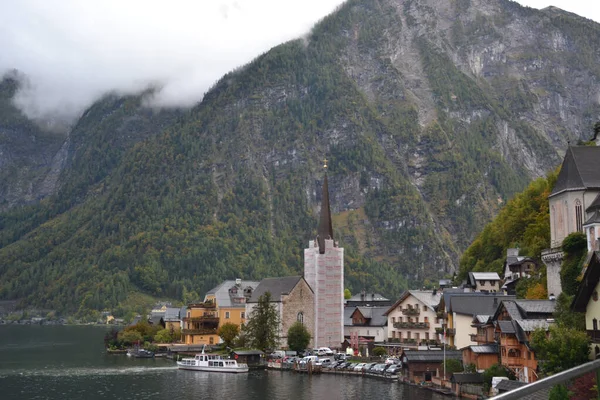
(220, 364)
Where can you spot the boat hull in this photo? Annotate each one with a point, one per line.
(237, 370)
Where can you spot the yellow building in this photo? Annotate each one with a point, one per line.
(225, 303)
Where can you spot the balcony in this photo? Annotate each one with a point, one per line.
(449, 331)
(199, 331)
(594, 335)
(205, 318)
(411, 311)
(208, 304)
(479, 338)
(411, 325)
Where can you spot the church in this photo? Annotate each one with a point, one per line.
(324, 272)
(574, 207)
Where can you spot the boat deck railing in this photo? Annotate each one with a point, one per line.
(540, 389)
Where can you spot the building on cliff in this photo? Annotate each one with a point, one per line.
(574, 207)
(324, 272)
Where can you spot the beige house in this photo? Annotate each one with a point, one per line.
(587, 300)
(484, 282)
(294, 300)
(412, 320)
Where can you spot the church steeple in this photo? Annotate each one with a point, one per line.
(325, 227)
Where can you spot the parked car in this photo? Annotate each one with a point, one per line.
(391, 360)
(359, 367)
(341, 356)
(343, 365)
(368, 366)
(393, 369)
(378, 369)
(325, 361)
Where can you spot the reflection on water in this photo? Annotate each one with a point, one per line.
(69, 362)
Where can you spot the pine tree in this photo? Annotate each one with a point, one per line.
(261, 328)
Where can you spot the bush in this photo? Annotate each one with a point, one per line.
(379, 351)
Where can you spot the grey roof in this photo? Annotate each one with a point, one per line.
(172, 314)
(481, 319)
(594, 219)
(431, 355)
(595, 204)
(221, 292)
(530, 325)
(476, 303)
(368, 297)
(463, 377)
(537, 306)
(506, 327)
(377, 315)
(506, 385)
(485, 349)
(579, 170)
(427, 297)
(485, 276)
(276, 286)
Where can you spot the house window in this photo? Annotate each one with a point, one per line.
(226, 314)
(368, 332)
(211, 340)
(595, 324)
(393, 334)
(408, 334)
(393, 319)
(424, 308)
(399, 319)
(300, 317)
(243, 315)
(426, 319)
(578, 215)
(417, 336)
(426, 335)
(399, 335)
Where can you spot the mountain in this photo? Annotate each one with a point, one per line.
(432, 114)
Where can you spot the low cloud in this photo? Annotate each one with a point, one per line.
(72, 52)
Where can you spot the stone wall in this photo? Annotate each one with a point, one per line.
(300, 300)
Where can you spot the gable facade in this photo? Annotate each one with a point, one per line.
(413, 320)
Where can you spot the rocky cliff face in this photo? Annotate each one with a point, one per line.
(431, 113)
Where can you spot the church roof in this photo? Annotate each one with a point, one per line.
(595, 204)
(325, 227)
(276, 286)
(579, 170)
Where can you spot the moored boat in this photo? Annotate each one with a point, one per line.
(140, 353)
(211, 363)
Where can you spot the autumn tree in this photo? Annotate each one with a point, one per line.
(228, 332)
(298, 337)
(261, 328)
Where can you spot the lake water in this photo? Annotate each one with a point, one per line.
(69, 362)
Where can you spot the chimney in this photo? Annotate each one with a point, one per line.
(362, 295)
(495, 302)
(238, 282)
(551, 296)
(434, 291)
(373, 296)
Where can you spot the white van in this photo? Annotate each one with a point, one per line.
(309, 359)
(324, 351)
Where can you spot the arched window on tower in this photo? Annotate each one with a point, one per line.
(300, 317)
(578, 215)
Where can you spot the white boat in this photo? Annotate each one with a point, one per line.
(211, 363)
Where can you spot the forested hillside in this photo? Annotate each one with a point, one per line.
(432, 115)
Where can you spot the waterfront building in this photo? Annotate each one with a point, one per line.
(458, 308)
(172, 318)
(293, 299)
(422, 365)
(515, 320)
(586, 301)
(367, 324)
(485, 353)
(413, 319)
(324, 272)
(574, 207)
(225, 303)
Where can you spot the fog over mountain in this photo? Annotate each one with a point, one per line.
(73, 52)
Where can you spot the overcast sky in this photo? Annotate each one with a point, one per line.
(74, 51)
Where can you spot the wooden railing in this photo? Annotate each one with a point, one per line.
(411, 311)
(411, 325)
(199, 331)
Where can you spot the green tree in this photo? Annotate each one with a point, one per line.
(495, 370)
(347, 294)
(564, 316)
(228, 332)
(379, 351)
(261, 328)
(163, 336)
(559, 349)
(452, 366)
(130, 337)
(298, 337)
(575, 248)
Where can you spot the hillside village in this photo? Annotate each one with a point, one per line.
(480, 321)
